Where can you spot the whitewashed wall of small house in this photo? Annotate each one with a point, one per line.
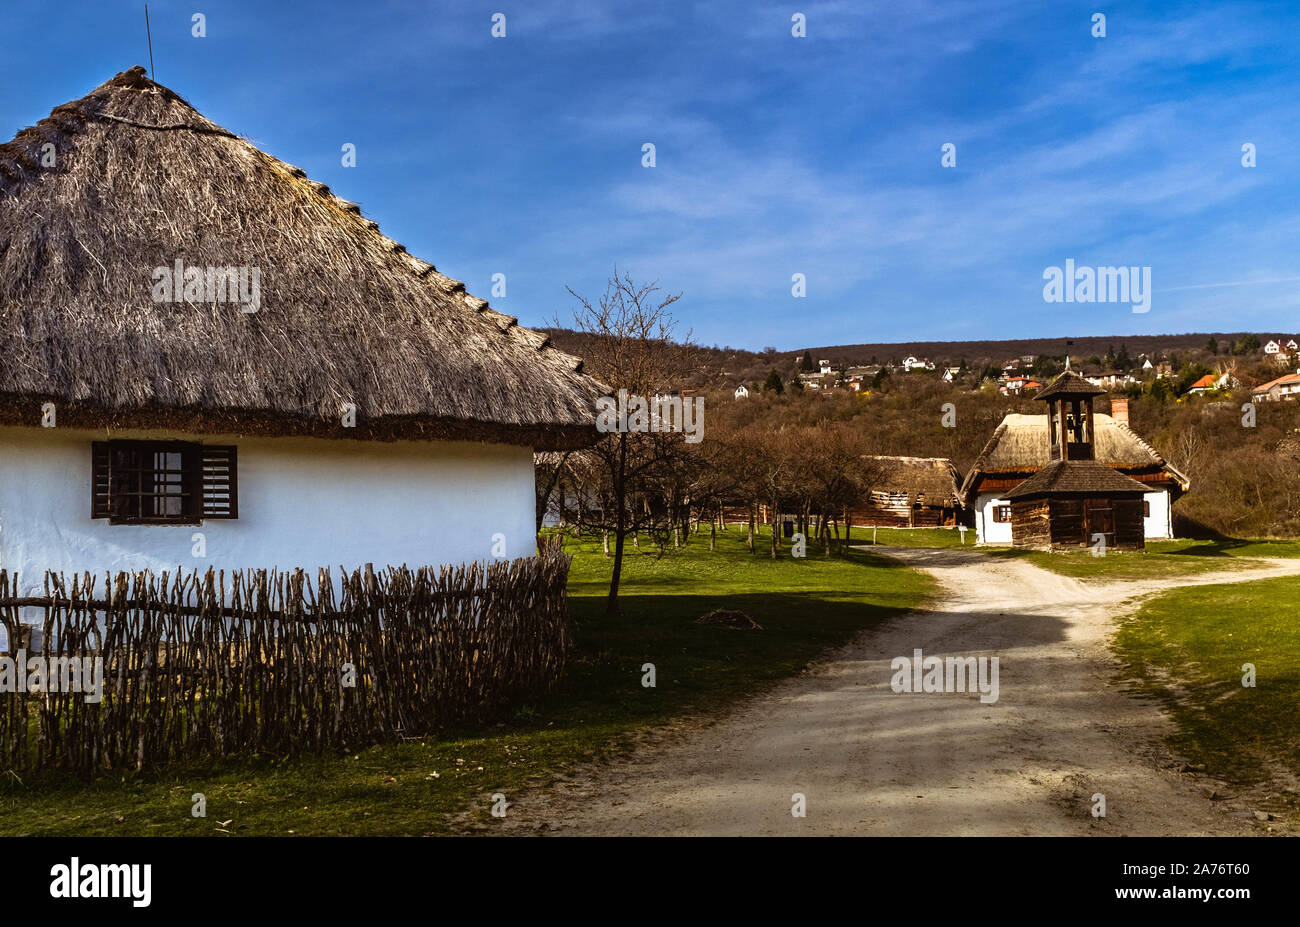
(987, 530)
(302, 503)
(1159, 523)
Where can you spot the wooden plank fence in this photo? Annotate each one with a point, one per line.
(257, 661)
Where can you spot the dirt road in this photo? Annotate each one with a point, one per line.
(873, 762)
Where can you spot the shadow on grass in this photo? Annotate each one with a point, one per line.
(1222, 547)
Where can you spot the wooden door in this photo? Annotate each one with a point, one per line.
(1098, 518)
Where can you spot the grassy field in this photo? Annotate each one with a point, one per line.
(1161, 559)
(1188, 647)
(427, 786)
(914, 537)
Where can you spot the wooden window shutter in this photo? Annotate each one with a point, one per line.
(100, 498)
(220, 482)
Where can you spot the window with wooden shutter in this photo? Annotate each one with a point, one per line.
(220, 481)
(99, 497)
(162, 482)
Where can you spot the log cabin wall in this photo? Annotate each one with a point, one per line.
(1068, 527)
(902, 510)
(1031, 524)
(1060, 524)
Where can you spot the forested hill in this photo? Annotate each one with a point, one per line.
(722, 365)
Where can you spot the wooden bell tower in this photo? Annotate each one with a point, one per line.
(1069, 417)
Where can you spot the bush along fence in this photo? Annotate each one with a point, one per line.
(197, 665)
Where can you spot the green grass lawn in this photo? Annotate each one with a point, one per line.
(805, 606)
(1188, 647)
(914, 537)
(1160, 559)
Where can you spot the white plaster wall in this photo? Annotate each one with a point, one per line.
(987, 530)
(302, 503)
(1159, 524)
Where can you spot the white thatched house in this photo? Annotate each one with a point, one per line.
(1020, 447)
(207, 359)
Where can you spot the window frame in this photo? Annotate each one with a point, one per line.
(1002, 514)
(205, 482)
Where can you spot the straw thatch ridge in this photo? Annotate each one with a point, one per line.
(140, 180)
(933, 480)
(1020, 445)
(1082, 477)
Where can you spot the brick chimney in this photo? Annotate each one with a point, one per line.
(1119, 409)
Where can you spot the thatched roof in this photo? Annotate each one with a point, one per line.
(1077, 477)
(934, 479)
(141, 180)
(1069, 384)
(1020, 445)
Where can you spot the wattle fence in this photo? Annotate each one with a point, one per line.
(211, 664)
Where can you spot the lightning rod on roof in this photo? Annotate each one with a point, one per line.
(149, 37)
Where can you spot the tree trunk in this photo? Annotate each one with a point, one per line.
(620, 526)
(750, 539)
(775, 517)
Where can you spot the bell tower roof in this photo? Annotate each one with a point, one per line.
(1069, 384)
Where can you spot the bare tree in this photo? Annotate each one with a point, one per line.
(632, 349)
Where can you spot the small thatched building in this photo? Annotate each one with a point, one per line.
(1021, 448)
(193, 333)
(911, 492)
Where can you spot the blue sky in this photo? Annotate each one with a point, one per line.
(775, 155)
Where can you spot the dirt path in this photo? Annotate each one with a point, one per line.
(870, 761)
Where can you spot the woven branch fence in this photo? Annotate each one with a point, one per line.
(199, 665)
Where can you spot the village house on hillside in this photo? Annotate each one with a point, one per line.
(210, 360)
(912, 492)
(1014, 386)
(1214, 381)
(1110, 379)
(1283, 387)
(1280, 348)
(1019, 448)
